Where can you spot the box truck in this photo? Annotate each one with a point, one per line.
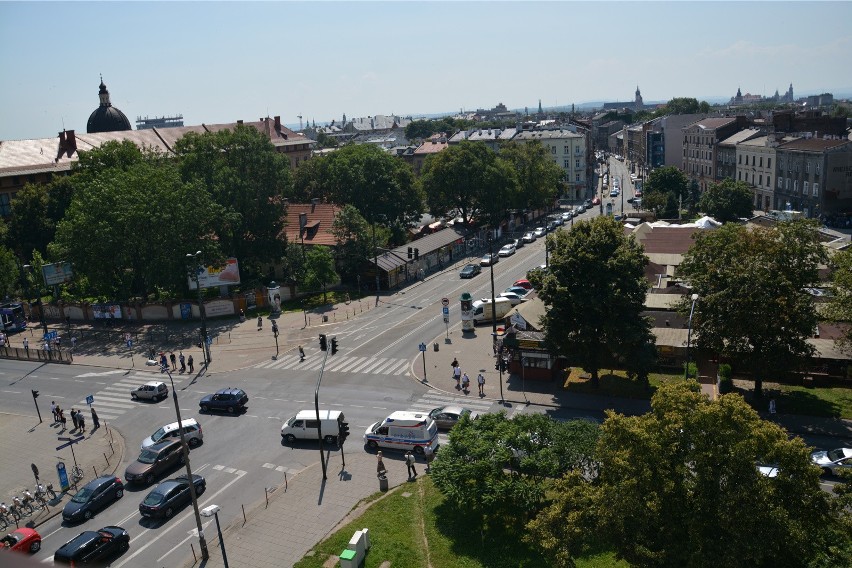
(484, 308)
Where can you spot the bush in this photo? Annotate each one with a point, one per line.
(726, 383)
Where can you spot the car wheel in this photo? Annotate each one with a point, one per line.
(193, 442)
(149, 479)
(204, 408)
(119, 494)
(87, 515)
(372, 444)
(230, 410)
(290, 438)
(418, 450)
(169, 512)
(201, 490)
(827, 471)
(125, 546)
(34, 547)
(329, 439)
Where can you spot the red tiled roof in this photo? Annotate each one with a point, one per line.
(320, 218)
(667, 240)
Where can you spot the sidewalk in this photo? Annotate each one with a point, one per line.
(26, 442)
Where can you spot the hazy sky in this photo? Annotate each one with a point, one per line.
(220, 62)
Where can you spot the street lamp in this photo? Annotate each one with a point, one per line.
(213, 511)
(202, 542)
(689, 336)
(205, 346)
(494, 307)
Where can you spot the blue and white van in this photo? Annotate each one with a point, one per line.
(404, 431)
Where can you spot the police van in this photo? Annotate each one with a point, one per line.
(405, 431)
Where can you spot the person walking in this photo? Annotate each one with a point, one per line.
(81, 420)
(182, 360)
(259, 323)
(27, 345)
(53, 408)
(62, 418)
(163, 363)
(73, 342)
(95, 420)
(480, 380)
(381, 470)
(74, 418)
(173, 359)
(772, 409)
(457, 373)
(429, 454)
(191, 364)
(301, 354)
(409, 463)
(465, 383)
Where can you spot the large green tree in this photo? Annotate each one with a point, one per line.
(727, 200)
(664, 189)
(354, 243)
(840, 306)
(679, 487)
(538, 176)
(752, 306)
(128, 228)
(10, 273)
(595, 294)
(36, 210)
(243, 173)
(469, 180)
(319, 269)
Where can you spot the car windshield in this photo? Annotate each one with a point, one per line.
(158, 434)
(147, 456)
(83, 495)
(836, 454)
(153, 498)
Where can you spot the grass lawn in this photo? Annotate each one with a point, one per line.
(615, 383)
(829, 402)
(420, 530)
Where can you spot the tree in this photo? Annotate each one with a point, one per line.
(9, 272)
(326, 141)
(354, 245)
(538, 176)
(36, 210)
(682, 105)
(468, 180)
(244, 174)
(752, 306)
(319, 268)
(840, 305)
(311, 180)
(595, 294)
(679, 486)
(671, 184)
(727, 200)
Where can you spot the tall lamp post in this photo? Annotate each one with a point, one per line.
(205, 346)
(202, 542)
(213, 511)
(689, 336)
(494, 308)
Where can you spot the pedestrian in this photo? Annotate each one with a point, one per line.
(163, 362)
(62, 418)
(465, 383)
(772, 407)
(480, 380)
(74, 418)
(381, 471)
(153, 354)
(182, 360)
(27, 345)
(429, 454)
(53, 408)
(259, 323)
(455, 363)
(409, 463)
(81, 420)
(457, 376)
(95, 420)
(173, 359)
(73, 342)
(301, 354)
(191, 364)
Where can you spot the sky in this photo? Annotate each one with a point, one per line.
(218, 62)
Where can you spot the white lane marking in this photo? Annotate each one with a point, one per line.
(102, 374)
(193, 533)
(12, 392)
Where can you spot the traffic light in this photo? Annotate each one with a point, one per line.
(35, 394)
(333, 345)
(323, 342)
(344, 433)
(410, 252)
(416, 254)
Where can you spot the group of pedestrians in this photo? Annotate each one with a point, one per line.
(174, 360)
(77, 418)
(463, 381)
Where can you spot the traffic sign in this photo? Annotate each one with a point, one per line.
(445, 301)
(90, 399)
(423, 347)
(51, 335)
(446, 311)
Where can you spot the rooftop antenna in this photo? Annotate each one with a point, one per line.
(300, 121)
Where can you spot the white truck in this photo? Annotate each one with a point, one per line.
(484, 308)
(403, 430)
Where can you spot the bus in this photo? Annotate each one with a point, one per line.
(12, 317)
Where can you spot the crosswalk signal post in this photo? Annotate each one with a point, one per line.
(333, 345)
(35, 396)
(323, 341)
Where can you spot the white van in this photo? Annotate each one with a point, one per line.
(403, 430)
(482, 309)
(303, 426)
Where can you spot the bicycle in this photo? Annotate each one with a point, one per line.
(76, 473)
(43, 491)
(20, 507)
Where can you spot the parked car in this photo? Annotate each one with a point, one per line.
(470, 271)
(613, 193)
(154, 461)
(540, 231)
(448, 416)
(152, 390)
(558, 220)
(512, 297)
(231, 400)
(23, 539)
(191, 431)
(506, 250)
(581, 209)
(552, 226)
(489, 259)
(519, 290)
(518, 243)
(92, 547)
(93, 497)
(587, 203)
(596, 200)
(529, 237)
(833, 461)
(523, 283)
(532, 271)
(169, 496)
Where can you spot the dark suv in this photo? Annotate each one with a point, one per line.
(231, 400)
(153, 461)
(93, 497)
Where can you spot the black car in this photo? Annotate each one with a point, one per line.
(93, 497)
(470, 271)
(171, 495)
(93, 547)
(231, 400)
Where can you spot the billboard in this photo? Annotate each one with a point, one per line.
(106, 311)
(56, 273)
(210, 276)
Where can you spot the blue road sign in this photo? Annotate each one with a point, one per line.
(51, 335)
(446, 311)
(90, 399)
(423, 347)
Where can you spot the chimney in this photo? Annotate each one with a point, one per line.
(239, 122)
(71, 142)
(278, 123)
(62, 141)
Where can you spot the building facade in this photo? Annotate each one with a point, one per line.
(700, 146)
(568, 150)
(814, 176)
(755, 165)
(726, 155)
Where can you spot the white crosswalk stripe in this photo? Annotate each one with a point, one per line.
(338, 364)
(114, 399)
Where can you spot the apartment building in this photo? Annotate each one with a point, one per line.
(814, 176)
(726, 154)
(700, 146)
(755, 162)
(568, 150)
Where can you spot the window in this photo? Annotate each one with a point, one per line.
(761, 161)
(817, 168)
(768, 181)
(795, 186)
(780, 183)
(567, 164)
(816, 189)
(577, 164)
(553, 149)
(760, 179)
(805, 188)
(740, 159)
(787, 184)
(769, 163)
(5, 207)
(808, 166)
(739, 175)
(577, 177)
(567, 149)
(752, 160)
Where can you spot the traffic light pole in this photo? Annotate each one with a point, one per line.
(35, 396)
(316, 407)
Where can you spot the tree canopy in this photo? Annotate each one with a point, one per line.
(319, 268)
(354, 242)
(36, 210)
(679, 486)
(840, 306)
(595, 291)
(664, 189)
(727, 200)
(538, 176)
(752, 304)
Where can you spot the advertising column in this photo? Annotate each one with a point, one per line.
(466, 301)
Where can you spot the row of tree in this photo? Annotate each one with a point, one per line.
(668, 191)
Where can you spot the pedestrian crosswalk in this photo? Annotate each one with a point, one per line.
(114, 400)
(338, 363)
(436, 399)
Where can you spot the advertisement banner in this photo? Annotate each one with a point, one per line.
(211, 276)
(56, 273)
(106, 311)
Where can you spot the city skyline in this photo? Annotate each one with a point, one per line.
(220, 62)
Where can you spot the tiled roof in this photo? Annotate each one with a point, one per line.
(712, 123)
(398, 256)
(665, 240)
(740, 136)
(320, 218)
(546, 135)
(812, 144)
(432, 147)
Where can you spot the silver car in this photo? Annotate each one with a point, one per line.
(448, 416)
(152, 390)
(833, 461)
